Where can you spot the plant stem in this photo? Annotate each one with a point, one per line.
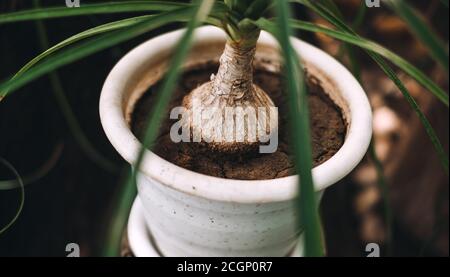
(235, 75)
(231, 87)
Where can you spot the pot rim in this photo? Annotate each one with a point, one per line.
(113, 120)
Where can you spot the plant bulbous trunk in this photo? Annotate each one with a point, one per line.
(230, 113)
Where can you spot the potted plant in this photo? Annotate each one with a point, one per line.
(190, 213)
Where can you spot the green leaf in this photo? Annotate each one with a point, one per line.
(331, 6)
(430, 131)
(257, 9)
(391, 74)
(38, 173)
(366, 44)
(238, 6)
(126, 198)
(381, 179)
(94, 45)
(89, 149)
(218, 12)
(359, 18)
(91, 33)
(22, 195)
(407, 67)
(354, 63)
(83, 35)
(298, 106)
(88, 9)
(422, 31)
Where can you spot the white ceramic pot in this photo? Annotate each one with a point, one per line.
(191, 214)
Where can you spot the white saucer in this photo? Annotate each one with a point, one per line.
(139, 237)
(141, 241)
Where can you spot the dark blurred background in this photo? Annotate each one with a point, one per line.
(71, 197)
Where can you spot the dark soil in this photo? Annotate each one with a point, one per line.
(327, 127)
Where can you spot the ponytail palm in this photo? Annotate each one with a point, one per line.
(242, 21)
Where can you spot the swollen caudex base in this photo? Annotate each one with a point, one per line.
(230, 114)
(227, 128)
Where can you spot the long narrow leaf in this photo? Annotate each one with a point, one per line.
(391, 74)
(378, 165)
(257, 9)
(411, 70)
(153, 123)
(422, 31)
(298, 106)
(332, 6)
(108, 27)
(239, 6)
(41, 171)
(22, 195)
(57, 88)
(366, 44)
(218, 13)
(430, 131)
(381, 179)
(88, 9)
(104, 41)
(83, 35)
(354, 63)
(359, 18)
